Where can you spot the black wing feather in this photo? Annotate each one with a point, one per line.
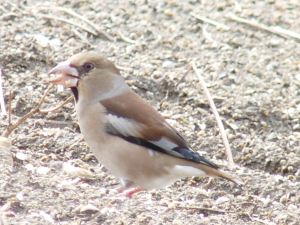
(181, 152)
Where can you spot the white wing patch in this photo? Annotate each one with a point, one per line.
(165, 144)
(168, 146)
(130, 128)
(124, 126)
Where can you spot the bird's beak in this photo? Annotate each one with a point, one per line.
(68, 75)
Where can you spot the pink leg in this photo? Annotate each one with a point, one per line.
(130, 192)
(126, 193)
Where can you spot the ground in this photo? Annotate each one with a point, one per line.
(252, 74)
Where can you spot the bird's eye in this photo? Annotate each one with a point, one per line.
(88, 66)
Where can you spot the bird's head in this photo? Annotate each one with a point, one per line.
(88, 74)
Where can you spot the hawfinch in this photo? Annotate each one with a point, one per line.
(129, 137)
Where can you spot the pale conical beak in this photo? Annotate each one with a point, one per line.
(68, 76)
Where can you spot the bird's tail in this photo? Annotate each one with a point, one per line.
(226, 176)
(218, 173)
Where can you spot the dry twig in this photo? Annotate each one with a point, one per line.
(286, 32)
(203, 209)
(216, 114)
(10, 128)
(76, 143)
(126, 39)
(206, 34)
(263, 222)
(238, 7)
(2, 103)
(71, 123)
(189, 69)
(37, 109)
(77, 15)
(67, 21)
(208, 37)
(83, 38)
(164, 99)
(97, 31)
(9, 107)
(274, 30)
(58, 107)
(47, 62)
(210, 21)
(14, 6)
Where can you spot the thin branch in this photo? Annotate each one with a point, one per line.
(286, 32)
(206, 34)
(210, 21)
(59, 122)
(84, 39)
(203, 209)
(47, 62)
(189, 69)
(9, 107)
(28, 115)
(58, 107)
(44, 96)
(77, 15)
(126, 39)
(67, 21)
(238, 7)
(164, 99)
(274, 30)
(216, 114)
(2, 103)
(76, 143)
(14, 6)
(263, 222)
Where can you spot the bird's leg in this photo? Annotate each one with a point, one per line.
(128, 193)
(127, 189)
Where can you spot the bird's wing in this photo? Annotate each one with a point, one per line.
(131, 118)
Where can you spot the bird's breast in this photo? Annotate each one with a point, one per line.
(92, 119)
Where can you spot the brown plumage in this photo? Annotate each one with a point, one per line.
(129, 137)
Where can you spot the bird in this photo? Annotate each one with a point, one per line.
(127, 135)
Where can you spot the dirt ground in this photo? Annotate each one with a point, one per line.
(252, 74)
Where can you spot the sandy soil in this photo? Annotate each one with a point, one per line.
(253, 76)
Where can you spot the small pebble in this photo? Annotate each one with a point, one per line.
(221, 200)
(169, 13)
(157, 74)
(88, 207)
(42, 170)
(283, 199)
(168, 65)
(21, 156)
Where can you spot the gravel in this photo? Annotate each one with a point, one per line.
(252, 74)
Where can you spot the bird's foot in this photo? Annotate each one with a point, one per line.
(128, 193)
(123, 194)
